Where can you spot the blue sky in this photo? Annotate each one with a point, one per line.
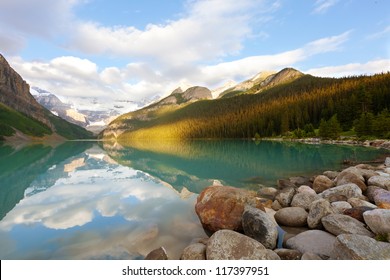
(138, 49)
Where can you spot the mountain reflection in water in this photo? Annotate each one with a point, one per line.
(86, 200)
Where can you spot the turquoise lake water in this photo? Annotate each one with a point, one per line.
(88, 200)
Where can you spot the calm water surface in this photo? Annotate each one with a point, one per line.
(84, 200)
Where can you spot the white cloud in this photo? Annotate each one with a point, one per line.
(379, 34)
(247, 67)
(352, 69)
(209, 30)
(322, 6)
(75, 77)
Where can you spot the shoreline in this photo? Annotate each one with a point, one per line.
(336, 215)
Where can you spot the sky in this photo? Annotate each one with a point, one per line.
(135, 50)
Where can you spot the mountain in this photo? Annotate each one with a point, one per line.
(263, 81)
(177, 99)
(59, 108)
(282, 102)
(21, 115)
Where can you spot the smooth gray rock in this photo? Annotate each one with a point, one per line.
(347, 190)
(387, 161)
(285, 196)
(359, 247)
(231, 245)
(357, 202)
(340, 206)
(303, 200)
(259, 226)
(306, 189)
(276, 205)
(380, 181)
(312, 241)
(341, 224)
(378, 220)
(196, 251)
(267, 192)
(291, 216)
(318, 209)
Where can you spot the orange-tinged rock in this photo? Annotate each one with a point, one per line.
(221, 207)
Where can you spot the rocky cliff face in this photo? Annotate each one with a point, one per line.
(15, 93)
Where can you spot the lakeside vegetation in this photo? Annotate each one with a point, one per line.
(310, 106)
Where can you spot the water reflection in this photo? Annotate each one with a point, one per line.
(88, 206)
(80, 201)
(197, 164)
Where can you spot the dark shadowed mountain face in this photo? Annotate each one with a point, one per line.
(18, 106)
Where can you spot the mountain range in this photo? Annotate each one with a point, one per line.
(21, 116)
(269, 104)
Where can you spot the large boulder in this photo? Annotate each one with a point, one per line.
(291, 216)
(351, 175)
(359, 247)
(318, 209)
(285, 196)
(303, 200)
(231, 245)
(380, 181)
(312, 241)
(322, 183)
(347, 190)
(341, 224)
(221, 207)
(378, 220)
(357, 202)
(258, 225)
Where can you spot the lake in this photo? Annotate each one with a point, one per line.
(90, 200)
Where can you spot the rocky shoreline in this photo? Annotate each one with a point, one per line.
(336, 215)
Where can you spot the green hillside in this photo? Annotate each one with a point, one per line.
(275, 111)
(11, 119)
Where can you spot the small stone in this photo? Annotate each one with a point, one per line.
(300, 180)
(267, 192)
(314, 241)
(357, 202)
(357, 212)
(337, 197)
(380, 196)
(387, 161)
(340, 206)
(347, 190)
(378, 220)
(351, 175)
(359, 247)
(322, 183)
(231, 245)
(331, 174)
(157, 254)
(318, 209)
(342, 224)
(306, 189)
(282, 184)
(291, 216)
(285, 196)
(259, 226)
(311, 256)
(276, 205)
(288, 254)
(196, 251)
(303, 200)
(380, 181)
